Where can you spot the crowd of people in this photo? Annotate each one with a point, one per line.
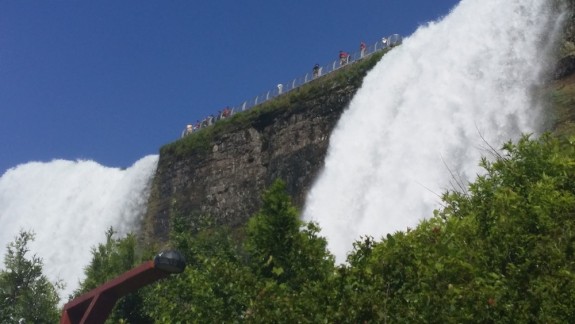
(208, 121)
(344, 58)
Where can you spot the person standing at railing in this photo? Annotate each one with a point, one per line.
(343, 58)
(362, 48)
(316, 69)
(280, 88)
(384, 41)
(189, 129)
(227, 112)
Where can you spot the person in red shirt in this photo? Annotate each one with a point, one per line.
(343, 58)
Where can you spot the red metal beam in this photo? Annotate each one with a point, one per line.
(95, 306)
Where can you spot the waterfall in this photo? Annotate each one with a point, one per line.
(426, 114)
(69, 205)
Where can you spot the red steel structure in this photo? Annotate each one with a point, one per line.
(95, 306)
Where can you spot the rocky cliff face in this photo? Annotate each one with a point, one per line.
(561, 91)
(566, 64)
(218, 174)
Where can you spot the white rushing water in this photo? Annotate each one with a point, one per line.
(69, 205)
(422, 112)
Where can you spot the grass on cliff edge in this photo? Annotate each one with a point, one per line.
(202, 141)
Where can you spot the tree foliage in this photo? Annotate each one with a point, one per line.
(25, 292)
(215, 287)
(109, 260)
(281, 245)
(230, 279)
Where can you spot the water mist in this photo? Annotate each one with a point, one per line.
(69, 205)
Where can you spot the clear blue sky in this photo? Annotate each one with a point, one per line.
(114, 80)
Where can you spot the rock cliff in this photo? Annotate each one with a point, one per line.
(218, 174)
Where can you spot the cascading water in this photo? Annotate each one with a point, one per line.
(425, 112)
(69, 206)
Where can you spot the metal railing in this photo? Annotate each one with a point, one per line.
(286, 87)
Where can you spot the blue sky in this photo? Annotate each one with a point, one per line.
(114, 80)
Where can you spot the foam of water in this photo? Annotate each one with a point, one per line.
(70, 205)
(422, 112)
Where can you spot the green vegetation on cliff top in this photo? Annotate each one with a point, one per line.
(200, 142)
